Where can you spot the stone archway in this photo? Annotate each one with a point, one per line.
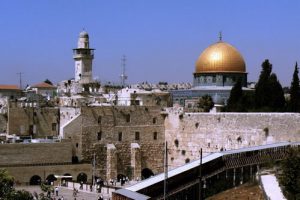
(82, 177)
(35, 180)
(50, 178)
(147, 173)
(67, 179)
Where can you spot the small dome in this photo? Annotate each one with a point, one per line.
(220, 57)
(84, 34)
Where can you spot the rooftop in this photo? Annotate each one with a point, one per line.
(43, 85)
(9, 87)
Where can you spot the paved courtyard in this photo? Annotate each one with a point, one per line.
(66, 193)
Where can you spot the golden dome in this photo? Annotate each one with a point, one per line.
(220, 57)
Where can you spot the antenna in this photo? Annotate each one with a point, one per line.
(123, 75)
(20, 78)
(220, 36)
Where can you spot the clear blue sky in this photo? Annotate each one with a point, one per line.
(162, 39)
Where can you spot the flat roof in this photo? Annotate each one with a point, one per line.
(9, 87)
(131, 194)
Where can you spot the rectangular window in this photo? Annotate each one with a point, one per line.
(99, 119)
(53, 126)
(155, 136)
(154, 120)
(30, 129)
(99, 135)
(120, 136)
(137, 135)
(128, 118)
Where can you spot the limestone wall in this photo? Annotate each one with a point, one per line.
(120, 126)
(186, 133)
(35, 153)
(67, 114)
(72, 131)
(37, 122)
(3, 123)
(23, 174)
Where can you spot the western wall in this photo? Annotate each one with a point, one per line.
(186, 133)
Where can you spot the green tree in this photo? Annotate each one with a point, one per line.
(7, 192)
(235, 99)
(277, 100)
(6, 183)
(269, 95)
(48, 81)
(206, 103)
(291, 173)
(294, 103)
(262, 90)
(19, 195)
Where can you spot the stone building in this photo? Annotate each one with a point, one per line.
(127, 140)
(33, 121)
(83, 81)
(83, 56)
(10, 91)
(140, 97)
(44, 89)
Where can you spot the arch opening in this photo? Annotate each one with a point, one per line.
(50, 178)
(35, 180)
(147, 173)
(82, 177)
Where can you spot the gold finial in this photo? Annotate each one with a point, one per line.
(220, 36)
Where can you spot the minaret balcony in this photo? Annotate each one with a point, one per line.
(77, 53)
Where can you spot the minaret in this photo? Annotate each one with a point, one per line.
(83, 57)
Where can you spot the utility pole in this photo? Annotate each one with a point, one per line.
(200, 176)
(20, 79)
(166, 170)
(94, 165)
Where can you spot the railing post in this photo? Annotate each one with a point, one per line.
(233, 177)
(251, 178)
(242, 176)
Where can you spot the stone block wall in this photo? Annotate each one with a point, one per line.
(111, 162)
(72, 131)
(35, 153)
(3, 123)
(186, 133)
(67, 114)
(23, 174)
(135, 160)
(119, 126)
(35, 122)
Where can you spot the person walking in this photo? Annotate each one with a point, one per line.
(56, 191)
